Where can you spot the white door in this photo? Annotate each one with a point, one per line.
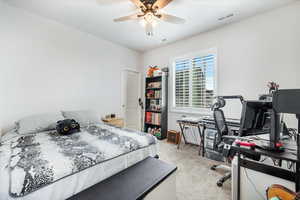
(130, 104)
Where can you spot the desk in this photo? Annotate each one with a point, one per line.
(201, 124)
(269, 169)
(191, 122)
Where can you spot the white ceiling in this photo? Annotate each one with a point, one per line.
(96, 18)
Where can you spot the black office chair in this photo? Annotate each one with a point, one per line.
(222, 143)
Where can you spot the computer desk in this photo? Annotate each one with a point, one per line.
(188, 122)
(202, 124)
(287, 155)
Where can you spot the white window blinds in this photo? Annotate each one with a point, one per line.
(194, 82)
(182, 81)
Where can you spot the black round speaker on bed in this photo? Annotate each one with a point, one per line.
(67, 126)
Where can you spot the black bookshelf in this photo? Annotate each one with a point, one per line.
(156, 105)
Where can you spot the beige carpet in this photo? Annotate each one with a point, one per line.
(195, 180)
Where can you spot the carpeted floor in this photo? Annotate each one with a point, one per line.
(195, 180)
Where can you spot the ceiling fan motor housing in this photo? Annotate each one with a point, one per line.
(145, 2)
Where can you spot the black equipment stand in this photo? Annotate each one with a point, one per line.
(241, 98)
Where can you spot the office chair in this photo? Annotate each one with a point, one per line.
(221, 142)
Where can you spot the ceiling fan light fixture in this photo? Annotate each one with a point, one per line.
(143, 22)
(149, 17)
(150, 33)
(149, 29)
(148, 26)
(154, 23)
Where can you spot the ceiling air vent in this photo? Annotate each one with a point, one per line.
(226, 17)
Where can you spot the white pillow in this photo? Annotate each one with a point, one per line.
(83, 117)
(38, 123)
(8, 136)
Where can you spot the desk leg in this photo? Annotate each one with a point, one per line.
(238, 177)
(179, 140)
(297, 185)
(201, 147)
(181, 134)
(297, 178)
(203, 143)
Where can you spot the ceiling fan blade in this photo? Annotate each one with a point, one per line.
(172, 19)
(93, 2)
(161, 3)
(126, 18)
(138, 3)
(149, 29)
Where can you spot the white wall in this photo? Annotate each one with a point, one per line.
(250, 53)
(46, 66)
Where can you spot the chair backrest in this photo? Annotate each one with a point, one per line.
(220, 121)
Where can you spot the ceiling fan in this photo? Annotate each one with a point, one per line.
(150, 12)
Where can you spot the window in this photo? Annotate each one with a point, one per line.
(194, 82)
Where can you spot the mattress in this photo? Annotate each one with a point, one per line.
(74, 183)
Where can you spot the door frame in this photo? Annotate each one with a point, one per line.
(124, 96)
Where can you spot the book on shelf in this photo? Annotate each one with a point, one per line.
(155, 104)
(157, 94)
(154, 94)
(154, 85)
(148, 117)
(153, 118)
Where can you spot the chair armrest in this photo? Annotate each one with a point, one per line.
(229, 137)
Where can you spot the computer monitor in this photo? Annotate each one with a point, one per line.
(284, 101)
(287, 101)
(256, 118)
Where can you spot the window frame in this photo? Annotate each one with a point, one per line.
(190, 56)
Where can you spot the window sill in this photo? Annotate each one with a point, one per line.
(191, 111)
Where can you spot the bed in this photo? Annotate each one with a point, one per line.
(48, 165)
